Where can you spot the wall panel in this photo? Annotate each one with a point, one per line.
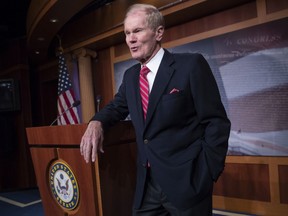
(274, 6)
(283, 183)
(253, 184)
(214, 21)
(103, 76)
(244, 181)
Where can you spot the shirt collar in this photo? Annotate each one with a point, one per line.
(154, 63)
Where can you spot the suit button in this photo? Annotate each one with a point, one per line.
(146, 141)
(144, 165)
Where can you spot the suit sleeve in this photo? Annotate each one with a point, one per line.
(212, 116)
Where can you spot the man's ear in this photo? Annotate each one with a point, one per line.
(159, 33)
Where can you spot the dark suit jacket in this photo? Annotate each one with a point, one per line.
(185, 136)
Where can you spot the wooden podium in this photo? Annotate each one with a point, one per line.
(70, 186)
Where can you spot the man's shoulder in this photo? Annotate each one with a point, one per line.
(186, 55)
(131, 71)
(183, 54)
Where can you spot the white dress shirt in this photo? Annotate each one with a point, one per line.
(153, 65)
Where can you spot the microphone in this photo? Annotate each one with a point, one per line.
(75, 104)
(98, 100)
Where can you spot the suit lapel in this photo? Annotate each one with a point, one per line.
(162, 78)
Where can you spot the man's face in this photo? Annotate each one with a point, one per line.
(143, 42)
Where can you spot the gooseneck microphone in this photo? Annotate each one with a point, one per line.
(98, 100)
(75, 104)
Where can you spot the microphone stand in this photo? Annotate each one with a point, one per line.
(75, 104)
(98, 100)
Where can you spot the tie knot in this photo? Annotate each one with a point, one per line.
(144, 71)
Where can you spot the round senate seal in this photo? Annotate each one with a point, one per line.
(63, 184)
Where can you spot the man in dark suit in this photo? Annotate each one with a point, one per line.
(182, 138)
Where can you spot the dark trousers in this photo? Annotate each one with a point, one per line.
(155, 203)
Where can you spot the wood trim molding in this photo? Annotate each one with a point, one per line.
(272, 207)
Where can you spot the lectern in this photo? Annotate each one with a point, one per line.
(70, 186)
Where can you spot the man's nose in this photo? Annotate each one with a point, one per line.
(131, 38)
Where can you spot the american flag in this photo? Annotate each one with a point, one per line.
(67, 113)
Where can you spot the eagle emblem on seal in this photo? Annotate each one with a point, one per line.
(63, 189)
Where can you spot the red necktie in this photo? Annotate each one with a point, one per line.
(144, 89)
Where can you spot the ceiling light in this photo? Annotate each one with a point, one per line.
(53, 20)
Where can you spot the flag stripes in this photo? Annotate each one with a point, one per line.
(66, 112)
